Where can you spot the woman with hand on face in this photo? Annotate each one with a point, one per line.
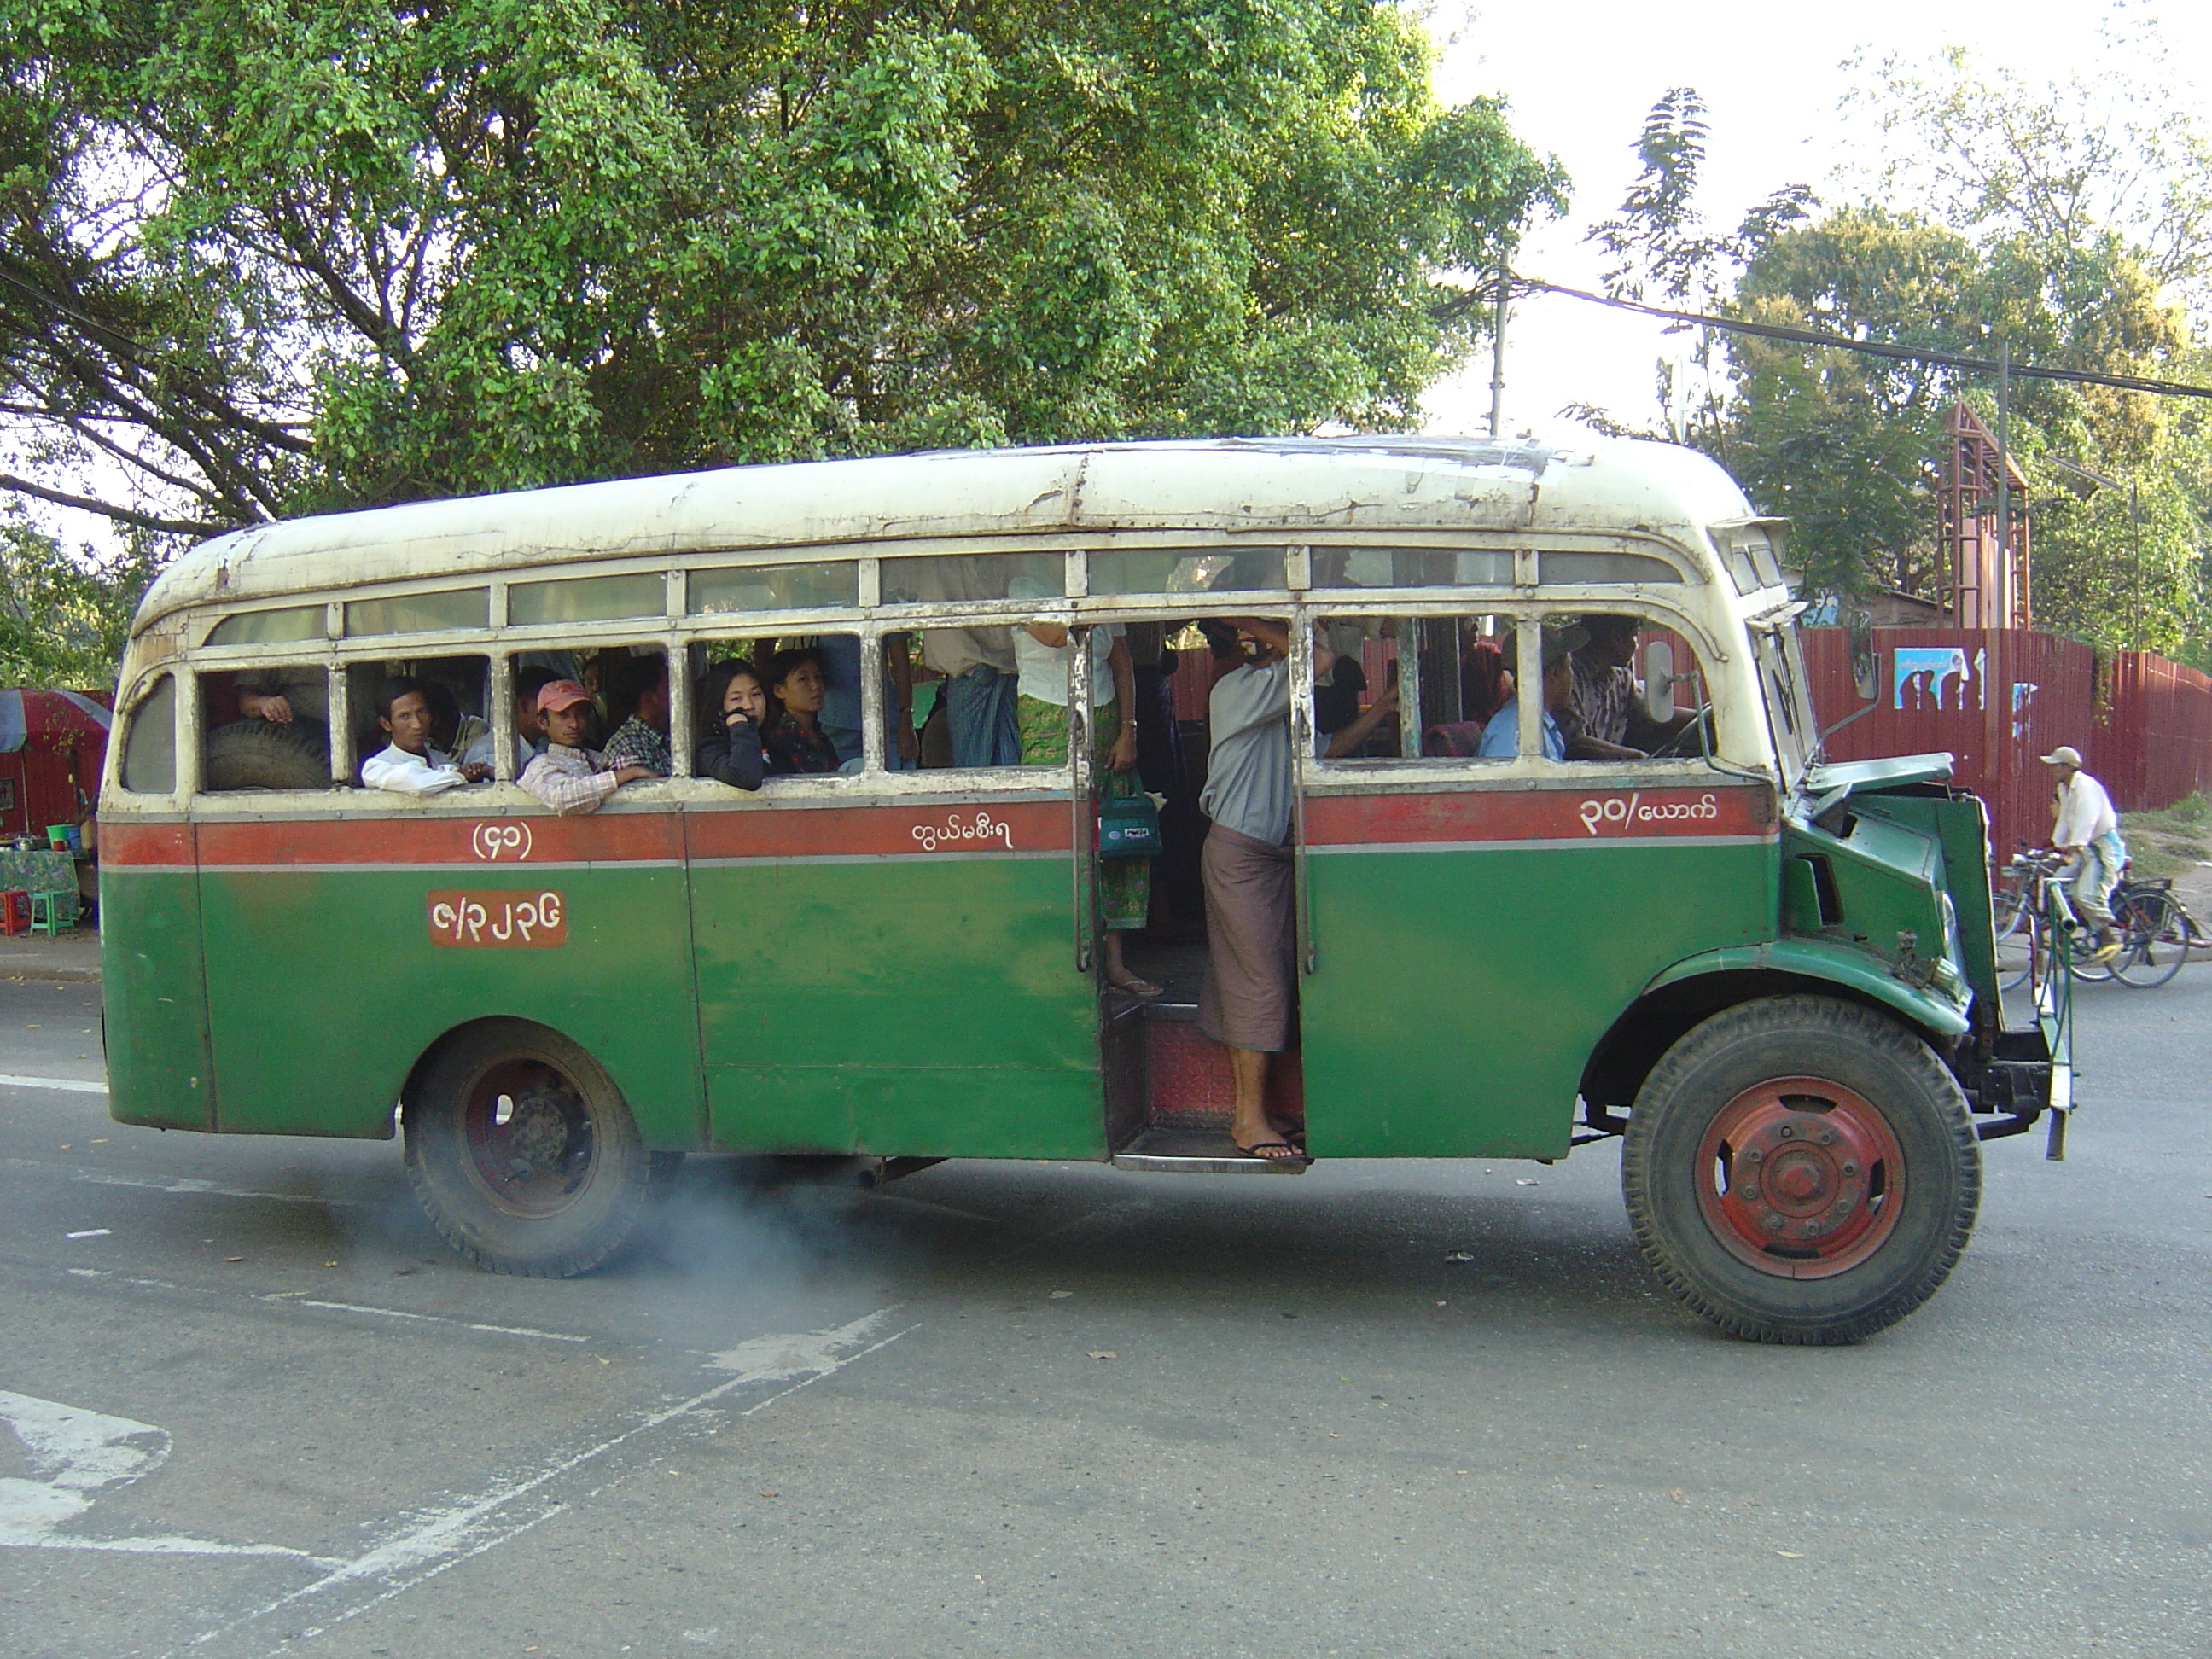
(795, 742)
(732, 707)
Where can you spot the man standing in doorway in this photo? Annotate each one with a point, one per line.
(1249, 1002)
(2087, 827)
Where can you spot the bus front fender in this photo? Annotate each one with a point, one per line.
(1819, 959)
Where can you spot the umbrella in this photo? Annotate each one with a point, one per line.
(51, 720)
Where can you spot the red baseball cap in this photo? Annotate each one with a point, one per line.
(562, 694)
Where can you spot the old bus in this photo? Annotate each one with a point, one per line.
(1773, 976)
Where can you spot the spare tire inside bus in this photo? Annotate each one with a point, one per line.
(266, 755)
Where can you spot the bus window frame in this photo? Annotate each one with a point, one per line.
(1677, 606)
(1418, 772)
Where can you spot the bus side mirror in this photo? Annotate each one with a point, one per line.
(1659, 681)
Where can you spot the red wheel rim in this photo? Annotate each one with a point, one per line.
(529, 1138)
(1800, 1178)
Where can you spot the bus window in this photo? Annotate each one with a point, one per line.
(149, 743)
(812, 685)
(1410, 566)
(832, 585)
(1186, 570)
(971, 669)
(265, 728)
(458, 691)
(1403, 687)
(1635, 691)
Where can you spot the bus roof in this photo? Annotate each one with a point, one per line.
(1279, 487)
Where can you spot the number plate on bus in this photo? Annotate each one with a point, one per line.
(509, 920)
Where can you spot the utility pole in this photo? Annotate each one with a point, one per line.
(2134, 521)
(1497, 353)
(2003, 572)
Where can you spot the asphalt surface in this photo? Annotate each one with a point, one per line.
(1037, 1409)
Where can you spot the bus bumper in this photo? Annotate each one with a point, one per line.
(2026, 1076)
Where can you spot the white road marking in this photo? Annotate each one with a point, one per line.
(79, 1456)
(301, 1299)
(445, 1538)
(180, 1184)
(66, 1085)
(806, 1354)
(440, 1319)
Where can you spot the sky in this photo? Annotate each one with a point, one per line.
(1578, 79)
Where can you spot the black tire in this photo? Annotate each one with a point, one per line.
(2155, 938)
(523, 1153)
(265, 755)
(1813, 1051)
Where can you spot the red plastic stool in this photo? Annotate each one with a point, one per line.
(15, 912)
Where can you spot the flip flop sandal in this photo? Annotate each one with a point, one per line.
(1136, 987)
(1289, 1154)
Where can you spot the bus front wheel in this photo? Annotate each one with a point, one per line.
(1801, 1170)
(523, 1153)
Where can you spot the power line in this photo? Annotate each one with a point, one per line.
(1870, 348)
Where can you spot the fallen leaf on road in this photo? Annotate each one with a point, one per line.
(1793, 1554)
(1679, 1495)
(1525, 1181)
(1459, 1255)
(771, 1494)
(234, 1258)
(1105, 1353)
(1057, 1296)
(278, 1295)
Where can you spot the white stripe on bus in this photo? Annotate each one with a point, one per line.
(1546, 844)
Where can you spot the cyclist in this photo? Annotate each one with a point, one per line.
(2087, 827)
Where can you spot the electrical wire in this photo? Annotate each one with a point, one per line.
(1870, 348)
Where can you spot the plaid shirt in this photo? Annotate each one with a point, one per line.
(570, 780)
(1599, 706)
(636, 744)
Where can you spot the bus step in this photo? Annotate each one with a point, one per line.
(1198, 1152)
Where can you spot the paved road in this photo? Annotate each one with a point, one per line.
(1039, 1410)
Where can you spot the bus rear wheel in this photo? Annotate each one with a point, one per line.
(523, 1153)
(1801, 1170)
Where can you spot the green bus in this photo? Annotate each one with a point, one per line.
(1773, 976)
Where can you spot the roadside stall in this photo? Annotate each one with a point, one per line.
(51, 746)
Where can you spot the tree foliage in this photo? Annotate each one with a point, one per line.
(62, 619)
(2117, 149)
(2014, 235)
(260, 257)
(1659, 249)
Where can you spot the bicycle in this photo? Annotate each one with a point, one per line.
(2041, 903)
(2157, 930)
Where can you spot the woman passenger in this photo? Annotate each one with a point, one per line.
(794, 740)
(732, 709)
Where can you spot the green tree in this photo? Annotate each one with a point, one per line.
(262, 257)
(63, 620)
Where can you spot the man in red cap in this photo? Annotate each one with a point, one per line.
(568, 777)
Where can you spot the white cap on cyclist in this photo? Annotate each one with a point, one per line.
(2064, 755)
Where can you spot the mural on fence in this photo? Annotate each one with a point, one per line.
(2148, 735)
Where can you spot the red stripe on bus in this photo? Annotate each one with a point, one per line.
(614, 839)
(1022, 826)
(1568, 815)
(122, 842)
(1005, 826)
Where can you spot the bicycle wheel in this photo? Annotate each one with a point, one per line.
(2016, 950)
(2157, 939)
(2080, 959)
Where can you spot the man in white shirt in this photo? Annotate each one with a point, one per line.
(2088, 828)
(408, 765)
